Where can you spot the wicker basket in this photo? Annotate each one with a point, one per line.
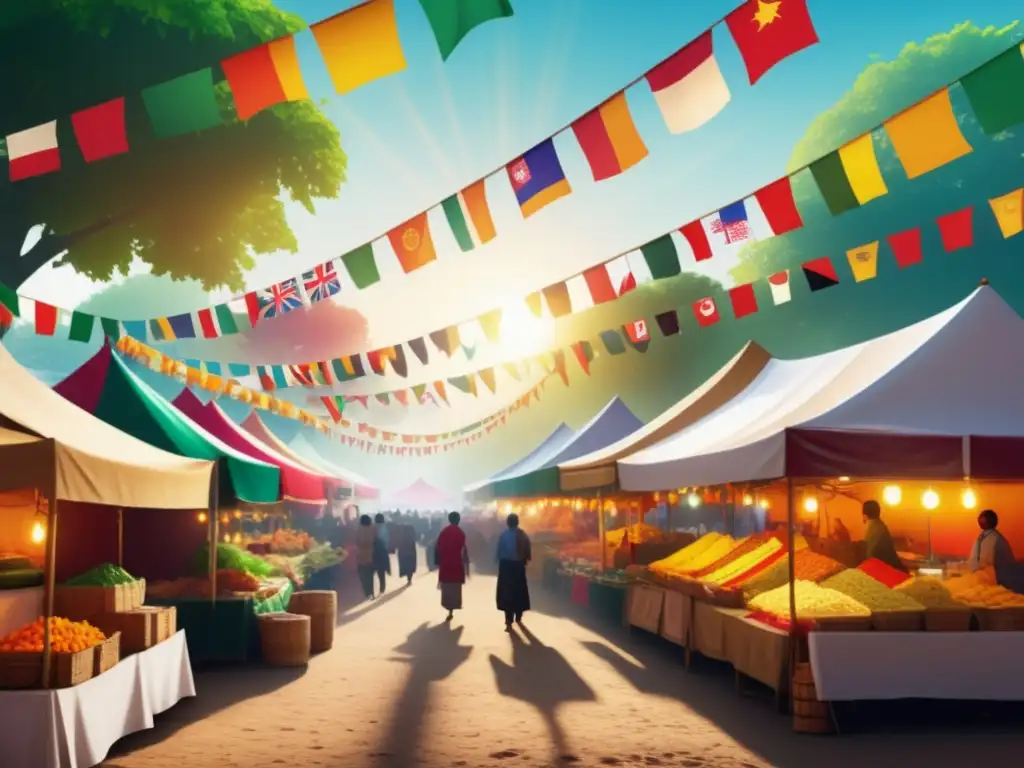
(20, 669)
(1000, 619)
(947, 619)
(898, 621)
(285, 639)
(322, 608)
(809, 714)
(107, 654)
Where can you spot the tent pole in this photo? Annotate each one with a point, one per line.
(602, 532)
(791, 572)
(214, 534)
(120, 537)
(51, 578)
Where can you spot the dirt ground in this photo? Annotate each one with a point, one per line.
(402, 689)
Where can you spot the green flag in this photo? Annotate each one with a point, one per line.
(452, 20)
(361, 266)
(186, 104)
(81, 326)
(111, 328)
(9, 298)
(995, 90)
(613, 342)
(661, 258)
(225, 319)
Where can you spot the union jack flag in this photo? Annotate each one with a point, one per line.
(321, 282)
(279, 299)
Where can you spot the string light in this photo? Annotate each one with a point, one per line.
(930, 499)
(810, 505)
(693, 500)
(748, 500)
(201, 517)
(38, 533)
(969, 499)
(892, 495)
(764, 504)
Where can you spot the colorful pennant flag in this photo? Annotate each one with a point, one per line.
(362, 266)
(100, 131)
(820, 274)
(419, 348)
(263, 76)
(743, 300)
(279, 299)
(668, 322)
(1009, 211)
(452, 20)
(689, 87)
(45, 318)
(81, 326)
(584, 352)
(779, 284)
(906, 247)
(490, 324)
(612, 341)
(849, 177)
(863, 261)
(216, 322)
(557, 298)
(957, 229)
(360, 45)
(537, 178)
(599, 283)
(768, 31)
(638, 334)
(706, 312)
(469, 216)
(994, 90)
(412, 243)
(609, 138)
(662, 258)
(779, 207)
(447, 339)
(487, 377)
(321, 282)
(186, 104)
(535, 304)
(927, 136)
(33, 152)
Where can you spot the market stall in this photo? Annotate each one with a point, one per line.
(927, 421)
(68, 456)
(482, 492)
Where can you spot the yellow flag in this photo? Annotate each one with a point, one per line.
(862, 171)
(360, 45)
(863, 261)
(927, 136)
(1009, 213)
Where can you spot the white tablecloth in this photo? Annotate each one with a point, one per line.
(852, 666)
(19, 607)
(76, 727)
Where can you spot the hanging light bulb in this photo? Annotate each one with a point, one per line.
(748, 500)
(201, 517)
(810, 504)
(227, 538)
(764, 504)
(38, 533)
(930, 499)
(693, 500)
(969, 499)
(892, 495)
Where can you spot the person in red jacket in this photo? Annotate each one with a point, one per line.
(452, 564)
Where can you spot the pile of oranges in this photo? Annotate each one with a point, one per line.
(66, 636)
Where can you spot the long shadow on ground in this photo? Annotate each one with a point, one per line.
(432, 654)
(216, 689)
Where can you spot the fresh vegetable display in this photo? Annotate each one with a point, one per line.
(812, 602)
(66, 636)
(230, 557)
(871, 593)
(317, 559)
(106, 575)
(286, 541)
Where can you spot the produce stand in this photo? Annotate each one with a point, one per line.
(18, 607)
(76, 727)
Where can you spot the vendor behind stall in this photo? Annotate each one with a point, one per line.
(992, 550)
(877, 537)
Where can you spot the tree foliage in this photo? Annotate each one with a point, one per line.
(194, 206)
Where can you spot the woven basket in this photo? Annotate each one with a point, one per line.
(21, 669)
(897, 621)
(285, 639)
(947, 619)
(107, 654)
(1000, 619)
(322, 608)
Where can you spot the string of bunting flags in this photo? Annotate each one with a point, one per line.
(955, 229)
(924, 137)
(359, 45)
(360, 435)
(688, 87)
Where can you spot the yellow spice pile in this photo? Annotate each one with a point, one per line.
(870, 593)
(812, 602)
(929, 592)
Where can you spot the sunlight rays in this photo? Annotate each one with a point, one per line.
(420, 129)
(555, 69)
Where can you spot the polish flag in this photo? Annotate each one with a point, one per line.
(689, 87)
(34, 151)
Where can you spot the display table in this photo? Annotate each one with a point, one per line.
(76, 727)
(853, 666)
(709, 632)
(758, 651)
(607, 600)
(676, 615)
(644, 607)
(19, 607)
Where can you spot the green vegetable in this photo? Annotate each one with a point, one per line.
(106, 575)
(231, 557)
(317, 559)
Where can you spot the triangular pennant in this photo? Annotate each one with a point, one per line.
(535, 304)
(441, 391)
(490, 324)
(584, 354)
(382, 398)
(419, 391)
(559, 365)
(513, 370)
(401, 396)
(487, 377)
(419, 348)
(447, 339)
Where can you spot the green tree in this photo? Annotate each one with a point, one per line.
(196, 206)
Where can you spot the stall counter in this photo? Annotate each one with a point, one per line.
(19, 607)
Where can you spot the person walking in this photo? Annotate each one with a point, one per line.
(452, 564)
(406, 546)
(514, 553)
(366, 539)
(381, 556)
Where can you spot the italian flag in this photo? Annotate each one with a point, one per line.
(33, 152)
(469, 216)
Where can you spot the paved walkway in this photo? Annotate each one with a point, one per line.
(400, 689)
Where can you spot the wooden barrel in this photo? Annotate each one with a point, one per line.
(809, 714)
(284, 639)
(322, 608)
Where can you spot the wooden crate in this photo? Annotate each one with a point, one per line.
(108, 653)
(83, 603)
(20, 670)
(137, 629)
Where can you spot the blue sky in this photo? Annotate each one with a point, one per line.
(414, 138)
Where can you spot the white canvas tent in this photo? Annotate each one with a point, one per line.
(938, 399)
(598, 469)
(85, 459)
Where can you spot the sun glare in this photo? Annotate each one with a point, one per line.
(523, 333)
